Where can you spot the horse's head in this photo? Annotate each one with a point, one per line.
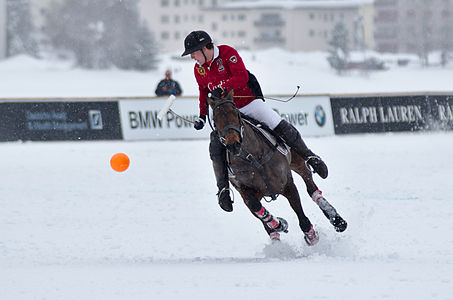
(228, 122)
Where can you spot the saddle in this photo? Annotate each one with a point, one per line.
(276, 144)
(269, 136)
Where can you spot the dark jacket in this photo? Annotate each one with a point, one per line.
(168, 87)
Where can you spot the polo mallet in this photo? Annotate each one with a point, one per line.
(166, 107)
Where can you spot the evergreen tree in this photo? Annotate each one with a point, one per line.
(100, 34)
(339, 48)
(20, 29)
(145, 49)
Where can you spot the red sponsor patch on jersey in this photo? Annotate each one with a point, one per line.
(234, 59)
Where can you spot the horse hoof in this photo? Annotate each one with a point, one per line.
(339, 223)
(274, 236)
(283, 226)
(311, 237)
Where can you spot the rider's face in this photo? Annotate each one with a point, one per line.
(198, 56)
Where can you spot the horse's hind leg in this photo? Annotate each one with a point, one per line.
(272, 225)
(298, 166)
(291, 193)
(330, 212)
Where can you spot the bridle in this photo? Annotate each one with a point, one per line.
(239, 129)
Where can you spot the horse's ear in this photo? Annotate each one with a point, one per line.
(209, 101)
(230, 95)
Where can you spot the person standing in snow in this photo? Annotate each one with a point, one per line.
(168, 86)
(219, 69)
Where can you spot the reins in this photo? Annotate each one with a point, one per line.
(239, 129)
(274, 99)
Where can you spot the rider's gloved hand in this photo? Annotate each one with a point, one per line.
(199, 124)
(217, 93)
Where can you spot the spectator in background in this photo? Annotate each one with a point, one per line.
(168, 86)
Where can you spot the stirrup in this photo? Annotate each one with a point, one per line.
(225, 189)
(314, 157)
(319, 166)
(225, 203)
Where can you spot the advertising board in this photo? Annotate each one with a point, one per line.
(380, 114)
(312, 116)
(43, 121)
(441, 112)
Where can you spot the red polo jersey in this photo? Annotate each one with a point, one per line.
(225, 70)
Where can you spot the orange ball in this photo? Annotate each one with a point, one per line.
(119, 162)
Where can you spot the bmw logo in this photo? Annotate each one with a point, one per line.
(320, 116)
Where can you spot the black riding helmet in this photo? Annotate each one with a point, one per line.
(195, 41)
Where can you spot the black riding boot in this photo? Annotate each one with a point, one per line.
(217, 152)
(292, 137)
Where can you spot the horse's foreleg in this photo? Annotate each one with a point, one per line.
(250, 200)
(298, 166)
(271, 224)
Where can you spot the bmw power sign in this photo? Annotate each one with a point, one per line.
(311, 115)
(320, 116)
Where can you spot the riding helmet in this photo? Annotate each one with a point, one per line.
(195, 41)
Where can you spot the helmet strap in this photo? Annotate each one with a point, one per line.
(205, 58)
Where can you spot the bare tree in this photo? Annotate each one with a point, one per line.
(101, 33)
(20, 29)
(339, 48)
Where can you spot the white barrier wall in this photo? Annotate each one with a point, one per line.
(312, 116)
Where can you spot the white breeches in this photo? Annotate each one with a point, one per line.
(260, 111)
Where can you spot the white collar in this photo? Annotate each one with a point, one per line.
(216, 54)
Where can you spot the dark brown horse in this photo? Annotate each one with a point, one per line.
(257, 170)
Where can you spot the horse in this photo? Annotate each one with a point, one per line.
(257, 170)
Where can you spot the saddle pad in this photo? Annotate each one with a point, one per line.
(283, 149)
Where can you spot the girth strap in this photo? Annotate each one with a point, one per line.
(254, 163)
(259, 166)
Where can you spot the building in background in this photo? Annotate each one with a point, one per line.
(291, 25)
(3, 29)
(413, 26)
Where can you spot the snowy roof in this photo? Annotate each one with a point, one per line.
(291, 4)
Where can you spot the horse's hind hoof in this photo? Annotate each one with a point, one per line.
(311, 237)
(274, 236)
(339, 223)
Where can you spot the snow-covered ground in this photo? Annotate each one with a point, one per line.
(71, 228)
(278, 71)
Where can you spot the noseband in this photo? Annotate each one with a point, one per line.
(239, 129)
